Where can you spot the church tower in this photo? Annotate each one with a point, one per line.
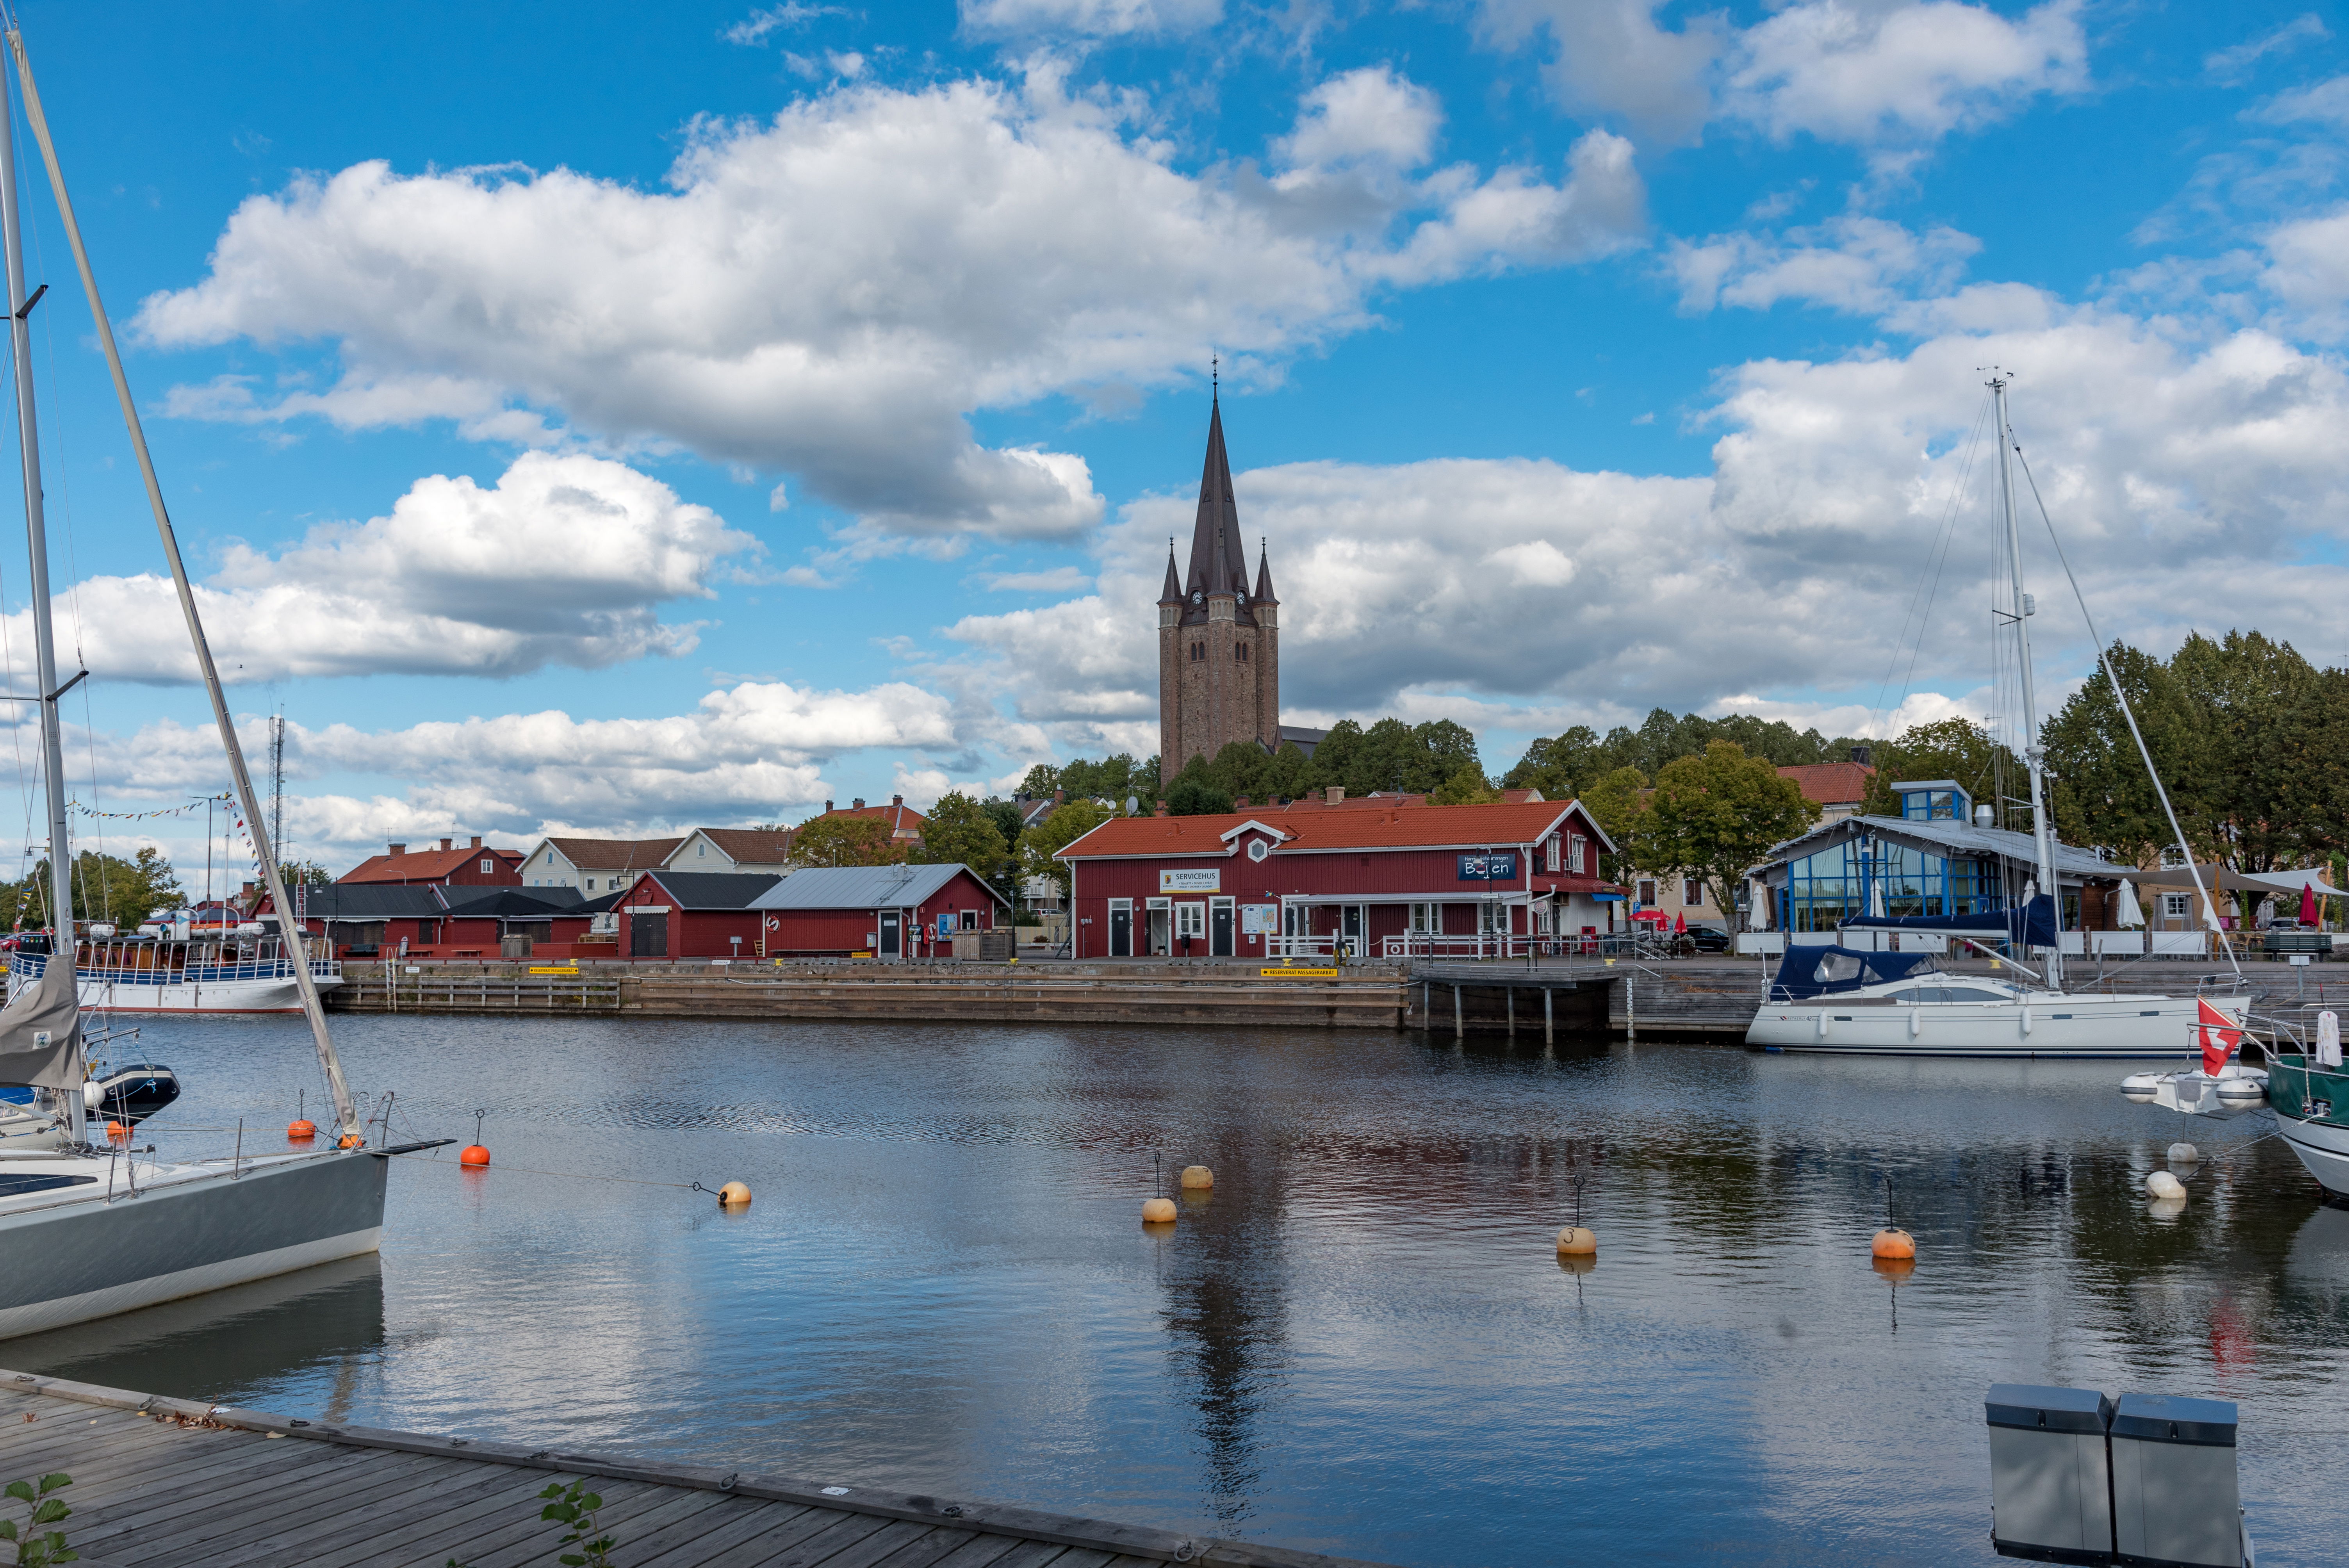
(1218, 640)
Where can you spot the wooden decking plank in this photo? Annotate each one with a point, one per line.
(469, 1532)
(498, 1496)
(105, 1450)
(305, 1541)
(381, 1493)
(758, 1519)
(806, 1526)
(694, 1535)
(1028, 1553)
(208, 1509)
(138, 1474)
(542, 1542)
(981, 1551)
(173, 1489)
(19, 1437)
(828, 1542)
(939, 1544)
(893, 1537)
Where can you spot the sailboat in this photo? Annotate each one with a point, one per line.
(86, 1233)
(1839, 999)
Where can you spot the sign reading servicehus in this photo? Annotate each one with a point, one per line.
(1488, 868)
(1204, 879)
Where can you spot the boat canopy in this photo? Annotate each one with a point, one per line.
(1809, 972)
(2031, 924)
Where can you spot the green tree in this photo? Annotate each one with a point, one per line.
(844, 841)
(105, 888)
(1196, 792)
(304, 873)
(1067, 824)
(1041, 780)
(1713, 816)
(1956, 749)
(1239, 768)
(1466, 786)
(1007, 820)
(2102, 793)
(1288, 774)
(1615, 801)
(960, 832)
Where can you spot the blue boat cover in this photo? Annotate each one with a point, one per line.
(2032, 924)
(1808, 972)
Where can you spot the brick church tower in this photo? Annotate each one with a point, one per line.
(1218, 641)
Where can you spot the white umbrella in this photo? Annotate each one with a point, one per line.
(2130, 916)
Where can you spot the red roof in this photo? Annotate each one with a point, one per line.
(905, 822)
(1397, 828)
(428, 865)
(1831, 783)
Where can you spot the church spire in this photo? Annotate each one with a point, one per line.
(1217, 563)
(1173, 593)
(1264, 594)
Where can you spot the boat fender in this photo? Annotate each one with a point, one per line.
(734, 1195)
(2163, 1185)
(1158, 1212)
(2185, 1154)
(1197, 1178)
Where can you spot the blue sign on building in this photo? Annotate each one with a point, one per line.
(1488, 868)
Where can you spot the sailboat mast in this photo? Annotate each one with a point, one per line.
(289, 926)
(37, 534)
(2033, 754)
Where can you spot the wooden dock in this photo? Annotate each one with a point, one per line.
(166, 1483)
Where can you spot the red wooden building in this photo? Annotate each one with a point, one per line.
(891, 911)
(1269, 882)
(691, 914)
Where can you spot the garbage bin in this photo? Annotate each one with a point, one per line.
(2174, 1497)
(2049, 1496)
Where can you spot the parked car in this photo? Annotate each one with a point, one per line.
(1709, 939)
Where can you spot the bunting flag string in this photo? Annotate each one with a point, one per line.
(201, 801)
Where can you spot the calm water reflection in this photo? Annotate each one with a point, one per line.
(1362, 1342)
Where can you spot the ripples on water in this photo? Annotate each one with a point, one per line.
(1361, 1343)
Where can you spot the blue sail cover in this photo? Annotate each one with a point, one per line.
(2032, 924)
(1808, 971)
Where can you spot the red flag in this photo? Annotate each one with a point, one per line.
(2220, 1039)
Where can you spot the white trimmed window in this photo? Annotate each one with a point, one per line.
(1693, 894)
(1555, 855)
(1574, 855)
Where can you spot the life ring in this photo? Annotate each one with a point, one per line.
(774, 923)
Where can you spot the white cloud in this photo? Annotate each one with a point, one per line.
(1090, 18)
(2320, 103)
(832, 292)
(1882, 74)
(2308, 269)
(1851, 263)
(561, 562)
(2190, 481)
(754, 28)
(1369, 115)
(2233, 63)
(1056, 580)
(1844, 70)
(1614, 61)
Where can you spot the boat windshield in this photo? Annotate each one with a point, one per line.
(1817, 971)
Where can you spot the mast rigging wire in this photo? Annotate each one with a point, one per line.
(2121, 697)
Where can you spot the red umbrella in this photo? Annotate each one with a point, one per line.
(2307, 904)
(1680, 923)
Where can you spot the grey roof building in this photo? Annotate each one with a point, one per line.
(865, 887)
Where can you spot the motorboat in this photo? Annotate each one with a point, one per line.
(1856, 1002)
(2233, 1089)
(239, 972)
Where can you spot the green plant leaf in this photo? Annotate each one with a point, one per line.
(50, 1511)
(7, 1529)
(50, 1483)
(23, 1489)
(572, 1559)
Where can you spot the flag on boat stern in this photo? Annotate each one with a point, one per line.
(2220, 1039)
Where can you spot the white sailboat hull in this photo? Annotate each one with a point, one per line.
(2323, 1149)
(2044, 1025)
(76, 1254)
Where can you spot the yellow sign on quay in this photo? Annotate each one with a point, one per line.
(1301, 974)
(555, 969)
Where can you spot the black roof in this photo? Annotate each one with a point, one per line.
(366, 901)
(512, 902)
(714, 890)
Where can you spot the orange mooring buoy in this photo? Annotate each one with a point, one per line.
(1891, 1244)
(350, 1141)
(302, 1132)
(117, 1130)
(473, 1156)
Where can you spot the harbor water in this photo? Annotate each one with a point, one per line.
(1360, 1342)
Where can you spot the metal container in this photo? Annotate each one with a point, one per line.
(2051, 1495)
(2174, 1498)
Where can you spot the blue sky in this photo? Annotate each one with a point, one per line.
(612, 420)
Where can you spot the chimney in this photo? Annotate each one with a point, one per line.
(1240, 804)
(857, 804)
(477, 840)
(1162, 808)
(827, 806)
(1863, 755)
(1336, 793)
(399, 849)
(1059, 796)
(897, 799)
(447, 843)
